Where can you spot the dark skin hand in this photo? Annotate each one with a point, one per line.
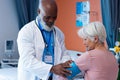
(61, 70)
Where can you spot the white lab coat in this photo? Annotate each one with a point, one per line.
(31, 46)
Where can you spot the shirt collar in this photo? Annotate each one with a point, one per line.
(38, 21)
(42, 28)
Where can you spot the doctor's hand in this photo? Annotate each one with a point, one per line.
(60, 69)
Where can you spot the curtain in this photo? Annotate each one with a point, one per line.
(111, 19)
(27, 11)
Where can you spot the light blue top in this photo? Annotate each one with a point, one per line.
(48, 37)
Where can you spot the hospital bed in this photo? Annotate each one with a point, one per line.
(8, 73)
(74, 54)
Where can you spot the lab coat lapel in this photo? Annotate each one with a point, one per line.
(57, 49)
(39, 43)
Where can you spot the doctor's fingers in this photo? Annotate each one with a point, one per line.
(60, 70)
(57, 69)
(65, 72)
(67, 64)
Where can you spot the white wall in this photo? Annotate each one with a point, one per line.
(8, 25)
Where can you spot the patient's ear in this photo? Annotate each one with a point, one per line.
(96, 39)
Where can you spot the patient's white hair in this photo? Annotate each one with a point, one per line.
(93, 29)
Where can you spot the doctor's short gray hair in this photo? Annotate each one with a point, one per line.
(93, 29)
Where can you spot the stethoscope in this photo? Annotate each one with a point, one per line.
(54, 32)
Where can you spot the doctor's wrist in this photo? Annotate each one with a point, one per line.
(56, 69)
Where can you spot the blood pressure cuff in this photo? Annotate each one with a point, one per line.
(74, 71)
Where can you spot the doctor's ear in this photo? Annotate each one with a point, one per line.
(38, 11)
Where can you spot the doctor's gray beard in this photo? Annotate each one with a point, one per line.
(45, 26)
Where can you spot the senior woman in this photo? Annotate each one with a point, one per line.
(97, 62)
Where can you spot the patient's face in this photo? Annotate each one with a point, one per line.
(90, 45)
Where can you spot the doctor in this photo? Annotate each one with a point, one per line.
(41, 46)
